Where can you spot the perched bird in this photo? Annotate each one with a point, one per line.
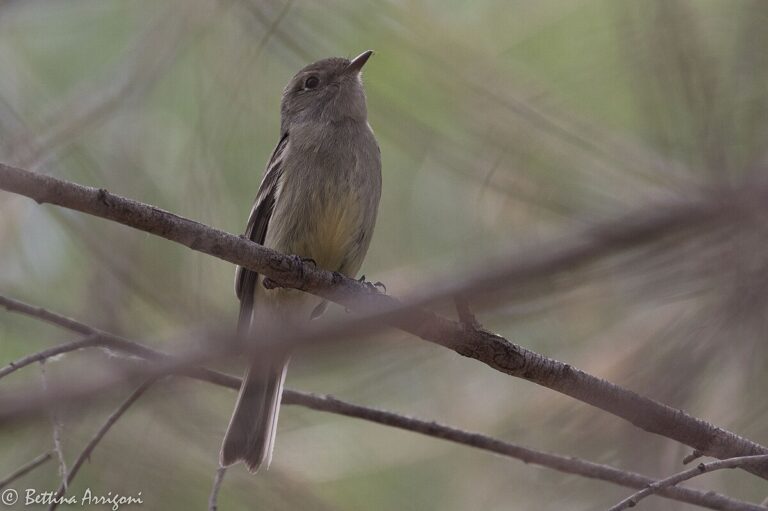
(318, 199)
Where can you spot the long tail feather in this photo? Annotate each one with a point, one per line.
(250, 436)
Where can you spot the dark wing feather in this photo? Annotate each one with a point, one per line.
(245, 280)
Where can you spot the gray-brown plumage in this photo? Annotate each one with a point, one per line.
(318, 199)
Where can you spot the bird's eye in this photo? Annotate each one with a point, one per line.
(311, 82)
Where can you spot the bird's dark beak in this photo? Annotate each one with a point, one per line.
(358, 62)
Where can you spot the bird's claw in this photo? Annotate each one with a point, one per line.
(377, 287)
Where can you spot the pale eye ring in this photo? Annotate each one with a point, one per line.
(311, 82)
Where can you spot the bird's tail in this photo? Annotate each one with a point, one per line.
(250, 436)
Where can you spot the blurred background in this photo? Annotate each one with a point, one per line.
(501, 124)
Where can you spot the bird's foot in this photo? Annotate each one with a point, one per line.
(295, 262)
(377, 287)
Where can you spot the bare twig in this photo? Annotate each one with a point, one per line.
(57, 427)
(104, 339)
(493, 350)
(97, 438)
(47, 316)
(557, 462)
(25, 469)
(40, 356)
(330, 404)
(673, 480)
(217, 481)
(95, 337)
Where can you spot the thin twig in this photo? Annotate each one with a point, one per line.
(25, 469)
(57, 427)
(675, 479)
(330, 404)
(86, 454)
(596, 243)
(103, 338)
(43, 314)
(91, 340)
(100, 337)
(217, 481)
(557, 462)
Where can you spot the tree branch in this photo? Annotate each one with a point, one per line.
(57, 427)
(491, 349)
(557, 462)
(685, 475)
(330, 404)
(25, 469)
(40, 356)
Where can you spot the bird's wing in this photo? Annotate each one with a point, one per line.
(245, 280)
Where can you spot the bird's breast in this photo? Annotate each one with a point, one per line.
(324, 205)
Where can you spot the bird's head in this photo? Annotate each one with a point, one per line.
(329, 90)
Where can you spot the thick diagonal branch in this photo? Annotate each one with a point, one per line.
(409, 315)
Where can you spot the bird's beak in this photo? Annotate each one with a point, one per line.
(358, 62)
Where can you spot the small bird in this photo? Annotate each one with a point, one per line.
(318, 200)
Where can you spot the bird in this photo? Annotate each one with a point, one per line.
(318, 200)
